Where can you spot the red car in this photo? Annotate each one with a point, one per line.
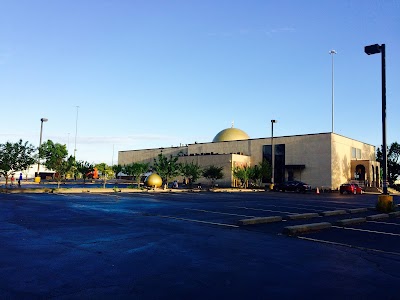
(351, 188)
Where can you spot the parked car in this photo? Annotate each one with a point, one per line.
(351, 188)
(295, 186)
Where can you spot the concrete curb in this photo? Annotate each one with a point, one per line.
(302, 216)
(333, 213)
(346, 222)
(261, 220)
(357, 210)
(377, 217)
(297, 229)
(394, 214)
(77, 190)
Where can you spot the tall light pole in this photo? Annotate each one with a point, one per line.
(332, 53)
(76, 130)
(42, 120)
(373, 49)
(272, 151)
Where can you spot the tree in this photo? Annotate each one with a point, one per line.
(191, 171)
(136, 170)
(106, 172)
(117, 169)
(84, 168)
(15, 157)
(213, 173)
(393, 166)
(243, 174)
(55, 159)
(166, 168)
(265, 170)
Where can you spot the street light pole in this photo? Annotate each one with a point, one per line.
(332, 53)
(373, 49)
(40, 141)
(272, 152)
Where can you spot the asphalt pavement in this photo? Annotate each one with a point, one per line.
(193, 246)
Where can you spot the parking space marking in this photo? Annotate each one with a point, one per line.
(331, 201)
(329, 207)
(220, 213)
(260, 209)
(366, 230)
(346, 245)
(385, 223)
(319, 210)
(199, 221)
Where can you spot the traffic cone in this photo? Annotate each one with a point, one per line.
(317, 191)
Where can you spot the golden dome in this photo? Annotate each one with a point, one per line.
(230, 134)
(153, 180)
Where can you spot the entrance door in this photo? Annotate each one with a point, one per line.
(360, 173)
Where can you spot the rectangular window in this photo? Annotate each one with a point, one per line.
(353, 153)
(279, 160)
(358, 153)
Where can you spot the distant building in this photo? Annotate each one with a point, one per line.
(321, 160)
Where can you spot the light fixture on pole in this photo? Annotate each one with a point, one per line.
(272, 152)
(42, 120)
(76, 130)
(332, 53)
(374, 49)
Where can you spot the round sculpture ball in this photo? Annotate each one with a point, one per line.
(153, 180)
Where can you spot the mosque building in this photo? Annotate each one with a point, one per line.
(324, 160)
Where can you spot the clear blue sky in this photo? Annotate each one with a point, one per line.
(149, 74)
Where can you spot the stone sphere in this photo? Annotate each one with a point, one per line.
(153, 180)
(230, 134)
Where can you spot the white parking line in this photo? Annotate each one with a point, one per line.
(319, 210)
(366, 230)
(332, 201)
(199, 221)
(346, 245)
(259, 209)
(220, 213)
(328, 207)
(385, 223)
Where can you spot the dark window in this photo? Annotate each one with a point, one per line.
(279, 175)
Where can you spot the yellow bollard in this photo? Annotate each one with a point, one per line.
(37, 179)
(385, 203)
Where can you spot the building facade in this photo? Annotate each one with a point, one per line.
(324, 160)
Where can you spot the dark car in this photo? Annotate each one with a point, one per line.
(295, 186)
(351, 188)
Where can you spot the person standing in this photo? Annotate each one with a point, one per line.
(19, 179)
(12, 179)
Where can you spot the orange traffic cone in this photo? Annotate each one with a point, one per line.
(317, 191)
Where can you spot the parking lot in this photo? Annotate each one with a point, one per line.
(181, 245)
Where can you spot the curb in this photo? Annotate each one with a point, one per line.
(333, 213)
(357, 210)
(394, 214)
(377, 217)
(297, 229)
(261, 220)
(346, 222)
(302, 216)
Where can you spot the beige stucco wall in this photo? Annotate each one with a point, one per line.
(148, 155)
(311, 150)
(326, 156)
(343, 165)
(226, 161)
